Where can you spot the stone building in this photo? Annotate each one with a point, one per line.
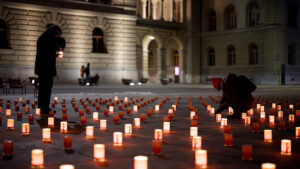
(140, 39)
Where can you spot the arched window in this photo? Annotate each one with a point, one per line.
(175, 58)
(211, 56)
(292, 16)
(254, 13)
(292, 54)
(3, 35)
(231, 55)
(230, 17)
(253, 54)
(212, 21)
(98, 41)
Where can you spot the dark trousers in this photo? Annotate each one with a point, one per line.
(45, 89)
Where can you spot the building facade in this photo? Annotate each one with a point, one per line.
(147, 39)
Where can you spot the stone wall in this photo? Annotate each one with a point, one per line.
(27, 22)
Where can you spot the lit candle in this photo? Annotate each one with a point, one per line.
(193, 131)
(244, 116)
(196, 142)
(8, 112)
(291, 106)
(201, 158)
(272, 119)
(273, 105)
(125, 99)
(20, 100)
(280, 114)
(26, 109)
(137, 122)
(111, 109)
(268, 135)
(230, 111)
(286, 147)
(255, 127)
(262, 108)
(156, 147)
(278, 107)
(25, 129)
(212, 110)
(116, 98)
(10, 124)
(64, 116)
(166, 126)
(135, 109)
(66, 166)
(268, 166)
(156, 108)
(208, 107)
(297, 132)
(291, 118)
(128, 129)
(262, 115)
(50, 121)
(247, 121)
(171, 115)
(102, 124)
(158, 134)
(192, 114)
(30, 119)
(46, 135)
(8, 148)
(140, 162)
(67, 142)
(63, 127)
(218, 117)
(55, 99)
(118, 138)
(247, 152)
(83, 120)
(99, 152)
(227, 129)
(228, 140)
(38, 111)
(250, 112)
(258, 107)
(90, 132)
(223, 122)
(37, 158)
(121, 115)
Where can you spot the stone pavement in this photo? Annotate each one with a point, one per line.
(176, 148)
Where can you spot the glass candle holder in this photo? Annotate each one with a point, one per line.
(192, 114)
(137, 122)
(8, 148)
(140, 162)
(90, 132)
(10, 124)
(8, 112)
(267, 135)
(121, 115)
(25, 129)
(83, 120)
(280, 115)
(201, 158)
(286, 147)
(19, 116)
(156, 108)
(247, 121)
(218, 117)
(193, 131)
(158, 134)
(227, 129)
(46, 135)
(111, 109)
(66, 166)
(268, 166)
(99, 152)
(297, 131)
(223, 122)
(37, 111)
(128, 129)
(102, 124)
(30, 119)
(37, 158)
(166, 127)
(291, 118)
(63, 127)
(247, 152)
(228, 139)
(143, 118)
(156, 147)
(67, 142)
(50, 121)
(196, 142)
(118, 138)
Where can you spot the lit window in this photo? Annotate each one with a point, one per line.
(211, 57)
(231, 55)
(253, 14)
(253, 54)
(3, 35)
(212, 21)
(98, 41)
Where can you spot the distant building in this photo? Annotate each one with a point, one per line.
(140, 39)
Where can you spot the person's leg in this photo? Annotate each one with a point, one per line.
(46, 84)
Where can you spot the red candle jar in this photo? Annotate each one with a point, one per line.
(125, 104)
(33, 105)
(27, 101)
(64, 116)
(247, 152)
(16, 102)
(282, 125)
(255, 127)
(156, 147)
(8, 147)
(87, 110)
(84, 105)
(76, 108)
(149, 113)
(128, 111)
(128, 103)
(171, 116)
(51, 113)
(117, 102)
(83, 120)
(68, 143)
(19, 116)
(105, 111)
(23, 104)
(17, 107)
(98, 107)
(194, 123)
(112, 103)
(26, 109)
(121, 115)
(107, 105)
(93, 104)
(81, 112)
(227, 129)
(228, 140)
(30, 119)
(196, 117)
(165, 119)
(116, 119)
(64, 110)
(143, 118)
(120, 107)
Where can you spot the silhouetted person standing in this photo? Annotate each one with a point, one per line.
(48, 44)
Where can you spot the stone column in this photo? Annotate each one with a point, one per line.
(144, 10)
(161, 64)
(182, 65)
(139, 61)
(154, 9)
(145, 63)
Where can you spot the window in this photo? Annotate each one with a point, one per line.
(253, 54)
(292, 54)
(212, 21)
(231, 55)
(292, 16)
(230, 17)
(150, 60)
(211, 57)
(98, 41)
(253, 14)
(3, 35)
(175, 58)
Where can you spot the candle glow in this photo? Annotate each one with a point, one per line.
(63, 127)
(118, 138)
(137, 122)
(128, 129)
(46, 135)
(99, 152)
(102, 124)
(201, 158)
(286, 147)
(268, 166)
(166, 126)
(193, 131)
(37, 158)
(196, 142)
(89, 132)
(50, 121)
(140, 162)
(158, 134)
(95, 116)
(10, 124)
(25, 129)
(268, 135)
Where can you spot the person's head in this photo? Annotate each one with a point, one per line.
(82, 66)
(54, 30)
(88, 64)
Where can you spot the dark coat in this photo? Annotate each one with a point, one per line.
(47, 45)
(237, 94)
